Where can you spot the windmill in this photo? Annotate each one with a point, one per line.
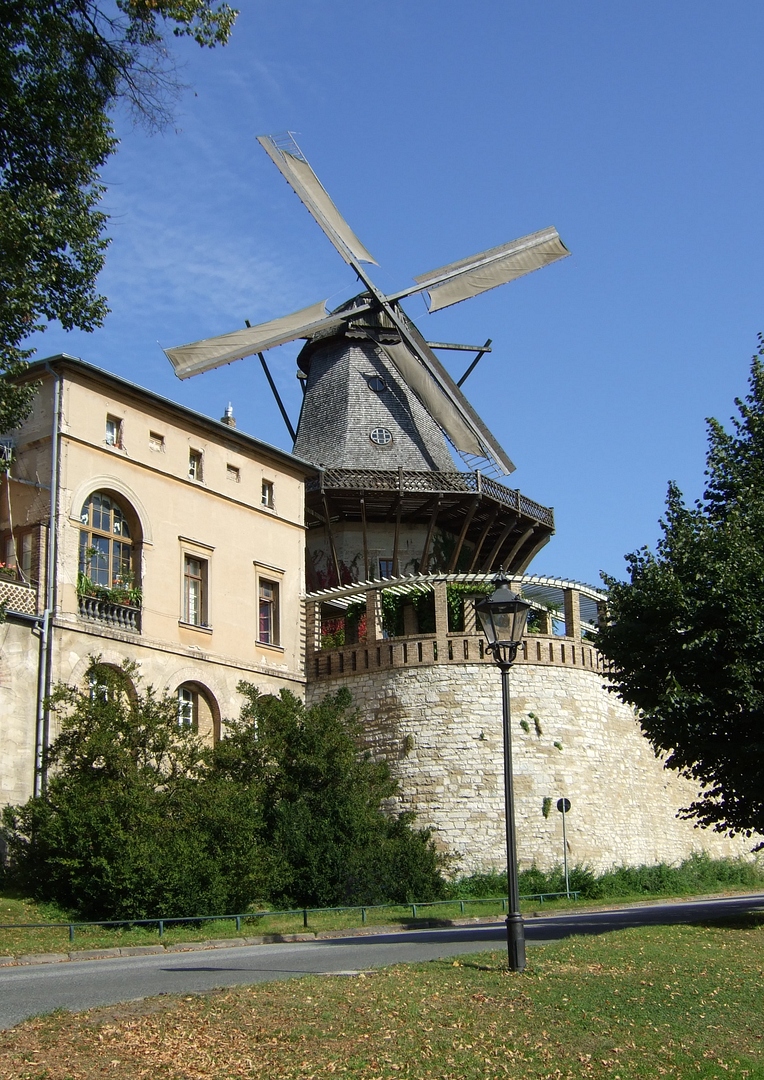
(379, 409)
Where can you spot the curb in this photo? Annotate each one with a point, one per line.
(327, 935)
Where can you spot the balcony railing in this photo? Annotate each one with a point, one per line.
(425, 650)
(117, 616)
(17, 596)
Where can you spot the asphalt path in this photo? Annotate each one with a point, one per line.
(76, 985)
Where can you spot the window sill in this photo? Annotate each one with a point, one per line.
(200, 627)
(268, 645)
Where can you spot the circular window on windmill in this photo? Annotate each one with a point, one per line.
(376, 382)
(380, 436)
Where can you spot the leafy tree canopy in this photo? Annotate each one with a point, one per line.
(64, 65)
(686, 632)
(140, 819)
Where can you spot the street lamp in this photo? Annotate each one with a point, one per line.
(503, 616)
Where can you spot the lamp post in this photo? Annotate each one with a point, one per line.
(503, 616)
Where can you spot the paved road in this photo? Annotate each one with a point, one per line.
(28, 991)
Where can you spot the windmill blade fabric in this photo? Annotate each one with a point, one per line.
(444, 400)
(213, 352)
(497, 266)
(311, 192)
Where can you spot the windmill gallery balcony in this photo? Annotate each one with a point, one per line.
(490, 525)
(347, 632)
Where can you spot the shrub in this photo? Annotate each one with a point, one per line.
(139, 819)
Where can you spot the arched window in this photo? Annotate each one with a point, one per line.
(198, 710)
(107, 553)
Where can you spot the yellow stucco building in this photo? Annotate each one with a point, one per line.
(177, 541)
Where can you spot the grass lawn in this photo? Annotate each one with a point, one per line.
(680, 1001)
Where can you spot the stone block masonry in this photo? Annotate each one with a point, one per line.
(439, 726)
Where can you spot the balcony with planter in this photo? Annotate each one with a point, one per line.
(118, 608)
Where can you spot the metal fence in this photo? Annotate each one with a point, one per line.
(249, 916)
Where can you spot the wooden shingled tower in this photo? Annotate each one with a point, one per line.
(382, 418)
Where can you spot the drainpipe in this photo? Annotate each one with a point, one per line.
(45, 668)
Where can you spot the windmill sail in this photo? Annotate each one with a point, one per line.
(497, 266)
(440, 395)
(291, 163)
(213, 352)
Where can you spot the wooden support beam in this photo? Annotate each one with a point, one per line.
(531, 552)
(396, 537)
(483, 536)
(513, 553)
(488, 564)
(424, 561)
(330, 538)
(454, 560)
(423, 508)
(365, 540)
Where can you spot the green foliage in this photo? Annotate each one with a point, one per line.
(322, 807)
(546, 806)
(456, 597)
(697, 875)
(64, 65)
(686, 632)
(127, 594)
(141, 819)
(132, 823)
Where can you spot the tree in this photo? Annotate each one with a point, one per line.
(324, 807)
(140, 819)
(64, 65)
(134, 823)
(685, 635)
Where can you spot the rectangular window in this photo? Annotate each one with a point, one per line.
(188, 708)
(9, 556)
(113, 431)
(156, 442)
(267, 496)
(195, 465)
(24, 556)
(194, 591)
(268, 612)
(233, 473)
(385, 568)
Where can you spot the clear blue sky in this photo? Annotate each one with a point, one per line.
(441, 129)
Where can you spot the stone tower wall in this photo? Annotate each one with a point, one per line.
(439, 726)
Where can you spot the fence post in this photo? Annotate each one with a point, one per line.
(161, 928)
(363, 915)
(461, 906)
(71, 931)
(238, 923)
(305, 918)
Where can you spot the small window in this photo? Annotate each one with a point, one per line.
(188, 708)
(385, 568)
(195, 465)
(194, 591)
(376, 382)
(156, 442)
(18, 556)
(268, 612)
(267, 495)
(113, 431)
(380, 436)
(233, 474)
